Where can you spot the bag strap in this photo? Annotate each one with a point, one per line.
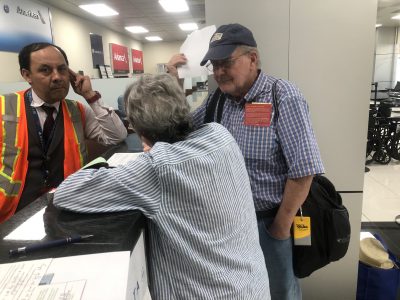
(275, 100)
(216, 102)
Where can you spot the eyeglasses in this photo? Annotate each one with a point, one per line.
(225, 63)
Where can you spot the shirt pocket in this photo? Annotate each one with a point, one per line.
(257, 142)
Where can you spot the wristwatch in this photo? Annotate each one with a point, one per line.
(93, 99)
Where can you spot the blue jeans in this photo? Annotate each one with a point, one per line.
(284, 285)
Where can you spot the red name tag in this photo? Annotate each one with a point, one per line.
(257, 114)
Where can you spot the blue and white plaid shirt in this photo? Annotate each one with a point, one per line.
(286, 149)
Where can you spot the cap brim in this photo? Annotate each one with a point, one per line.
(218, 53)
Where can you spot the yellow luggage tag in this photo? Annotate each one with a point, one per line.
(302, 230)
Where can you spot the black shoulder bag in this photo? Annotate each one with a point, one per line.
(330, 223)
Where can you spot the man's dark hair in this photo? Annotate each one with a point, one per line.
(24, 56)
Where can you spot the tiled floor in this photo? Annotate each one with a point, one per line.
(381, 203)
(381, 197)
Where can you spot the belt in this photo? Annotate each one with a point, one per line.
(270, 213)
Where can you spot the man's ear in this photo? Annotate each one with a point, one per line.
(253, 56)
(27, 75)
(146, 144)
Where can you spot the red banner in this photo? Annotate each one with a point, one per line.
(119, 58)
(137, 61)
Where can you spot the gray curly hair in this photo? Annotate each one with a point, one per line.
(157, 108)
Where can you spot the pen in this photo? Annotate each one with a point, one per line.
(44, 245)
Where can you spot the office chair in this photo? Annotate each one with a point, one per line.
(397, 87)
(395, 92)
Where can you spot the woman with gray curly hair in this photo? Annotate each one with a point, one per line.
(194, 190)
(157, 109)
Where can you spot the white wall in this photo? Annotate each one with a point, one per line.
(386, 55)
(158, 52)
(326, 48)
(72, 34)
(331, 60)
(10, 67)
(265, 19)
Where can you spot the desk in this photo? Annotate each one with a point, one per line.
(391, 102)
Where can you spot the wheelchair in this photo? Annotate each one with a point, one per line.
(383, 139)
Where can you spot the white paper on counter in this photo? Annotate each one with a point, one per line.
(120, 159)
(31, 229)
(100, 276)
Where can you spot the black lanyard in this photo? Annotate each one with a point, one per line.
(39, 129)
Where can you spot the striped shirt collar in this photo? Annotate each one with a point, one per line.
(37, 102)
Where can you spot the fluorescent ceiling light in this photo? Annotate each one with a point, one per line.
(153, 38)
(378, 25)
(396, 17)
(188, 26)
(136, 29)
(174, 5)
(99, 10)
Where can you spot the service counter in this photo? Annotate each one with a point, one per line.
(111, 231)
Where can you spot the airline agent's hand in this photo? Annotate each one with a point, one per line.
(81, 85)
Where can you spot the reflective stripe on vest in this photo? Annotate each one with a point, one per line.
(74, 137)
(14, 152)
(10, 113)
(14, 147)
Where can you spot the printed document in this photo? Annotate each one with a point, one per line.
(95, 276)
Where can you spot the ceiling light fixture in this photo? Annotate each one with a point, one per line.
(396, 17)
(153, 38)
(136, 29)
(174, 5)
(188, 26)
(99, 10)
(378, 25)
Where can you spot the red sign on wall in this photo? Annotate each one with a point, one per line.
(137, 61)
(119, 59)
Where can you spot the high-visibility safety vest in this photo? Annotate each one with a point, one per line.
(15, 147)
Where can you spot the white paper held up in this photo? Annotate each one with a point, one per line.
(195, 48)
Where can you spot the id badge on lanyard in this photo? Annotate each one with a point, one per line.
(257, 114)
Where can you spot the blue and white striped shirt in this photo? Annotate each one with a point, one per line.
(285, 149)
(196, 194)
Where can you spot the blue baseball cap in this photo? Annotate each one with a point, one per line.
(225, 40)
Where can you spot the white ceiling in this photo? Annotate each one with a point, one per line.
(386, 10)
(146, 13)
(149, 13)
